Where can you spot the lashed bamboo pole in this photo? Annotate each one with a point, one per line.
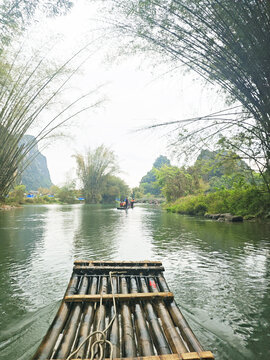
(128, 341)
(87, 321)
(101, 311)
(46, 348)
(180, 320)
(117, 263)
(69, 335)
(106, 269)
(143, 336)
(171, 333)
(155, 328)
(119, 297)
(114, 335)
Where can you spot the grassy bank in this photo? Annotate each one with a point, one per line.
(249, 202)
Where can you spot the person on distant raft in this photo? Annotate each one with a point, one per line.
(132, 203)
(126, 200)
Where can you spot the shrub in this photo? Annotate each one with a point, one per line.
(247, 202)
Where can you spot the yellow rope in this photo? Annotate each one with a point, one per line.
(102, 338)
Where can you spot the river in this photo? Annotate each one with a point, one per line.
(219, 272)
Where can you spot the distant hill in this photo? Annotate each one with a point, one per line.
(36, 175)
(148, 181)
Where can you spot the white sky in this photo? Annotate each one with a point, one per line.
(139, 92)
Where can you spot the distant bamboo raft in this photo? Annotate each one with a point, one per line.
(148, 324)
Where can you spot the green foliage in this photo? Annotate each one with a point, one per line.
(175, 182)
(245, 202)
(160, 161)
(148, 183)
(66, 194)
(16, 14)
(137, 193)
(114, 187)
(93, 170)
(225, 42)
(17, 194)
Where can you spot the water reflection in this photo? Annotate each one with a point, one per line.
(218, 271)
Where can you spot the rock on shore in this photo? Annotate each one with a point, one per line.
(224, 217)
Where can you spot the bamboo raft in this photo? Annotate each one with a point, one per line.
(130, 305)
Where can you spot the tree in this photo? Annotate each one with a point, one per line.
(27, 88)
(114, 188)
(66, 194)
(15, 15)
(225, 42)
(93, 170)
(174, 182)
(148, 183)
(17, 194)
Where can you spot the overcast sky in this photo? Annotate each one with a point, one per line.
(138, 92)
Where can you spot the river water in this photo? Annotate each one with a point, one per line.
(219, 272)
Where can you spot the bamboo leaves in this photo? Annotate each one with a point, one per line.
(93, 169)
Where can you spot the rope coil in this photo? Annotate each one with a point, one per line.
(101, 341)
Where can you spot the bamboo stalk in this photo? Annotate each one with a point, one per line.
(114, 335)
(128, 342)
(101, 311)
(120, 297)
(117, 263)
(143, 336)
(171, 333)
(106, 269)
(69, 335)
(180, 320)
(46, 348)
(155, 328)
(87, 321)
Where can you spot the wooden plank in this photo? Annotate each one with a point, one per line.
(120, 297)
(117, 263)
(117, 269)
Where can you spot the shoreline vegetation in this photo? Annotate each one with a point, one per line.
(250, 203)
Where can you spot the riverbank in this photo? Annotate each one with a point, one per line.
(249, 203)
(5, 207)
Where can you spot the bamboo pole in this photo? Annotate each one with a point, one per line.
(113, 332)
(82, 269)
(101, 312)
(87, 321)
(171, 333)
(117, 263)
(46, 348)
(128, 341)
(120, 297)
(180, 320)
(155, 328)
(143, 336)
(69, 335)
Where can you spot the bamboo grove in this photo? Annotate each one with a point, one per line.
(225, 42)
(30, 83)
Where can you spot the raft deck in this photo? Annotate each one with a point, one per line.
(129, 301)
